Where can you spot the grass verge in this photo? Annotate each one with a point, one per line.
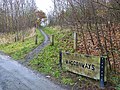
(47, 62)
(18, 50)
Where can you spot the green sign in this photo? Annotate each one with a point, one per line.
(88, 66)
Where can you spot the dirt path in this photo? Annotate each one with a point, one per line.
(37, 50)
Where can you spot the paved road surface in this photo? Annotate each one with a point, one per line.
(14, 76)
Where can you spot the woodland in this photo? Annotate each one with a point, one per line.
(97, 23)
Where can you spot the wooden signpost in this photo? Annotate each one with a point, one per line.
(89, 66)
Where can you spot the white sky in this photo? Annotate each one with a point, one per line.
(44, 5)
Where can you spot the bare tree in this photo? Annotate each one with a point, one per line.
(97, 22)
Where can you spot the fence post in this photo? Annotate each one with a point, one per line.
(15, 39)
(52, 40)
(102, 71)
(23, 38)
(75, 41)
(60, 58)
(36, 39)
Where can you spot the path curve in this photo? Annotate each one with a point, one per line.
(37, 50)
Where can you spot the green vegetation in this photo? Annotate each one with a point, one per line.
(18, 50)
(48, 60)
(115, 79)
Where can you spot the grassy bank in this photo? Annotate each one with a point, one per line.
(48, 60)
(18, 50)
(48, 63)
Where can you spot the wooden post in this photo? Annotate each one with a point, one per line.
(52, 40)
(22, 37)
(75, 41)
(15, 39)
(60, 58)
(36, 39)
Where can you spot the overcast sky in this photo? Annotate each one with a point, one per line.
(44, 5)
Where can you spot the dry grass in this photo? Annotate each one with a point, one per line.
(6, 38)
